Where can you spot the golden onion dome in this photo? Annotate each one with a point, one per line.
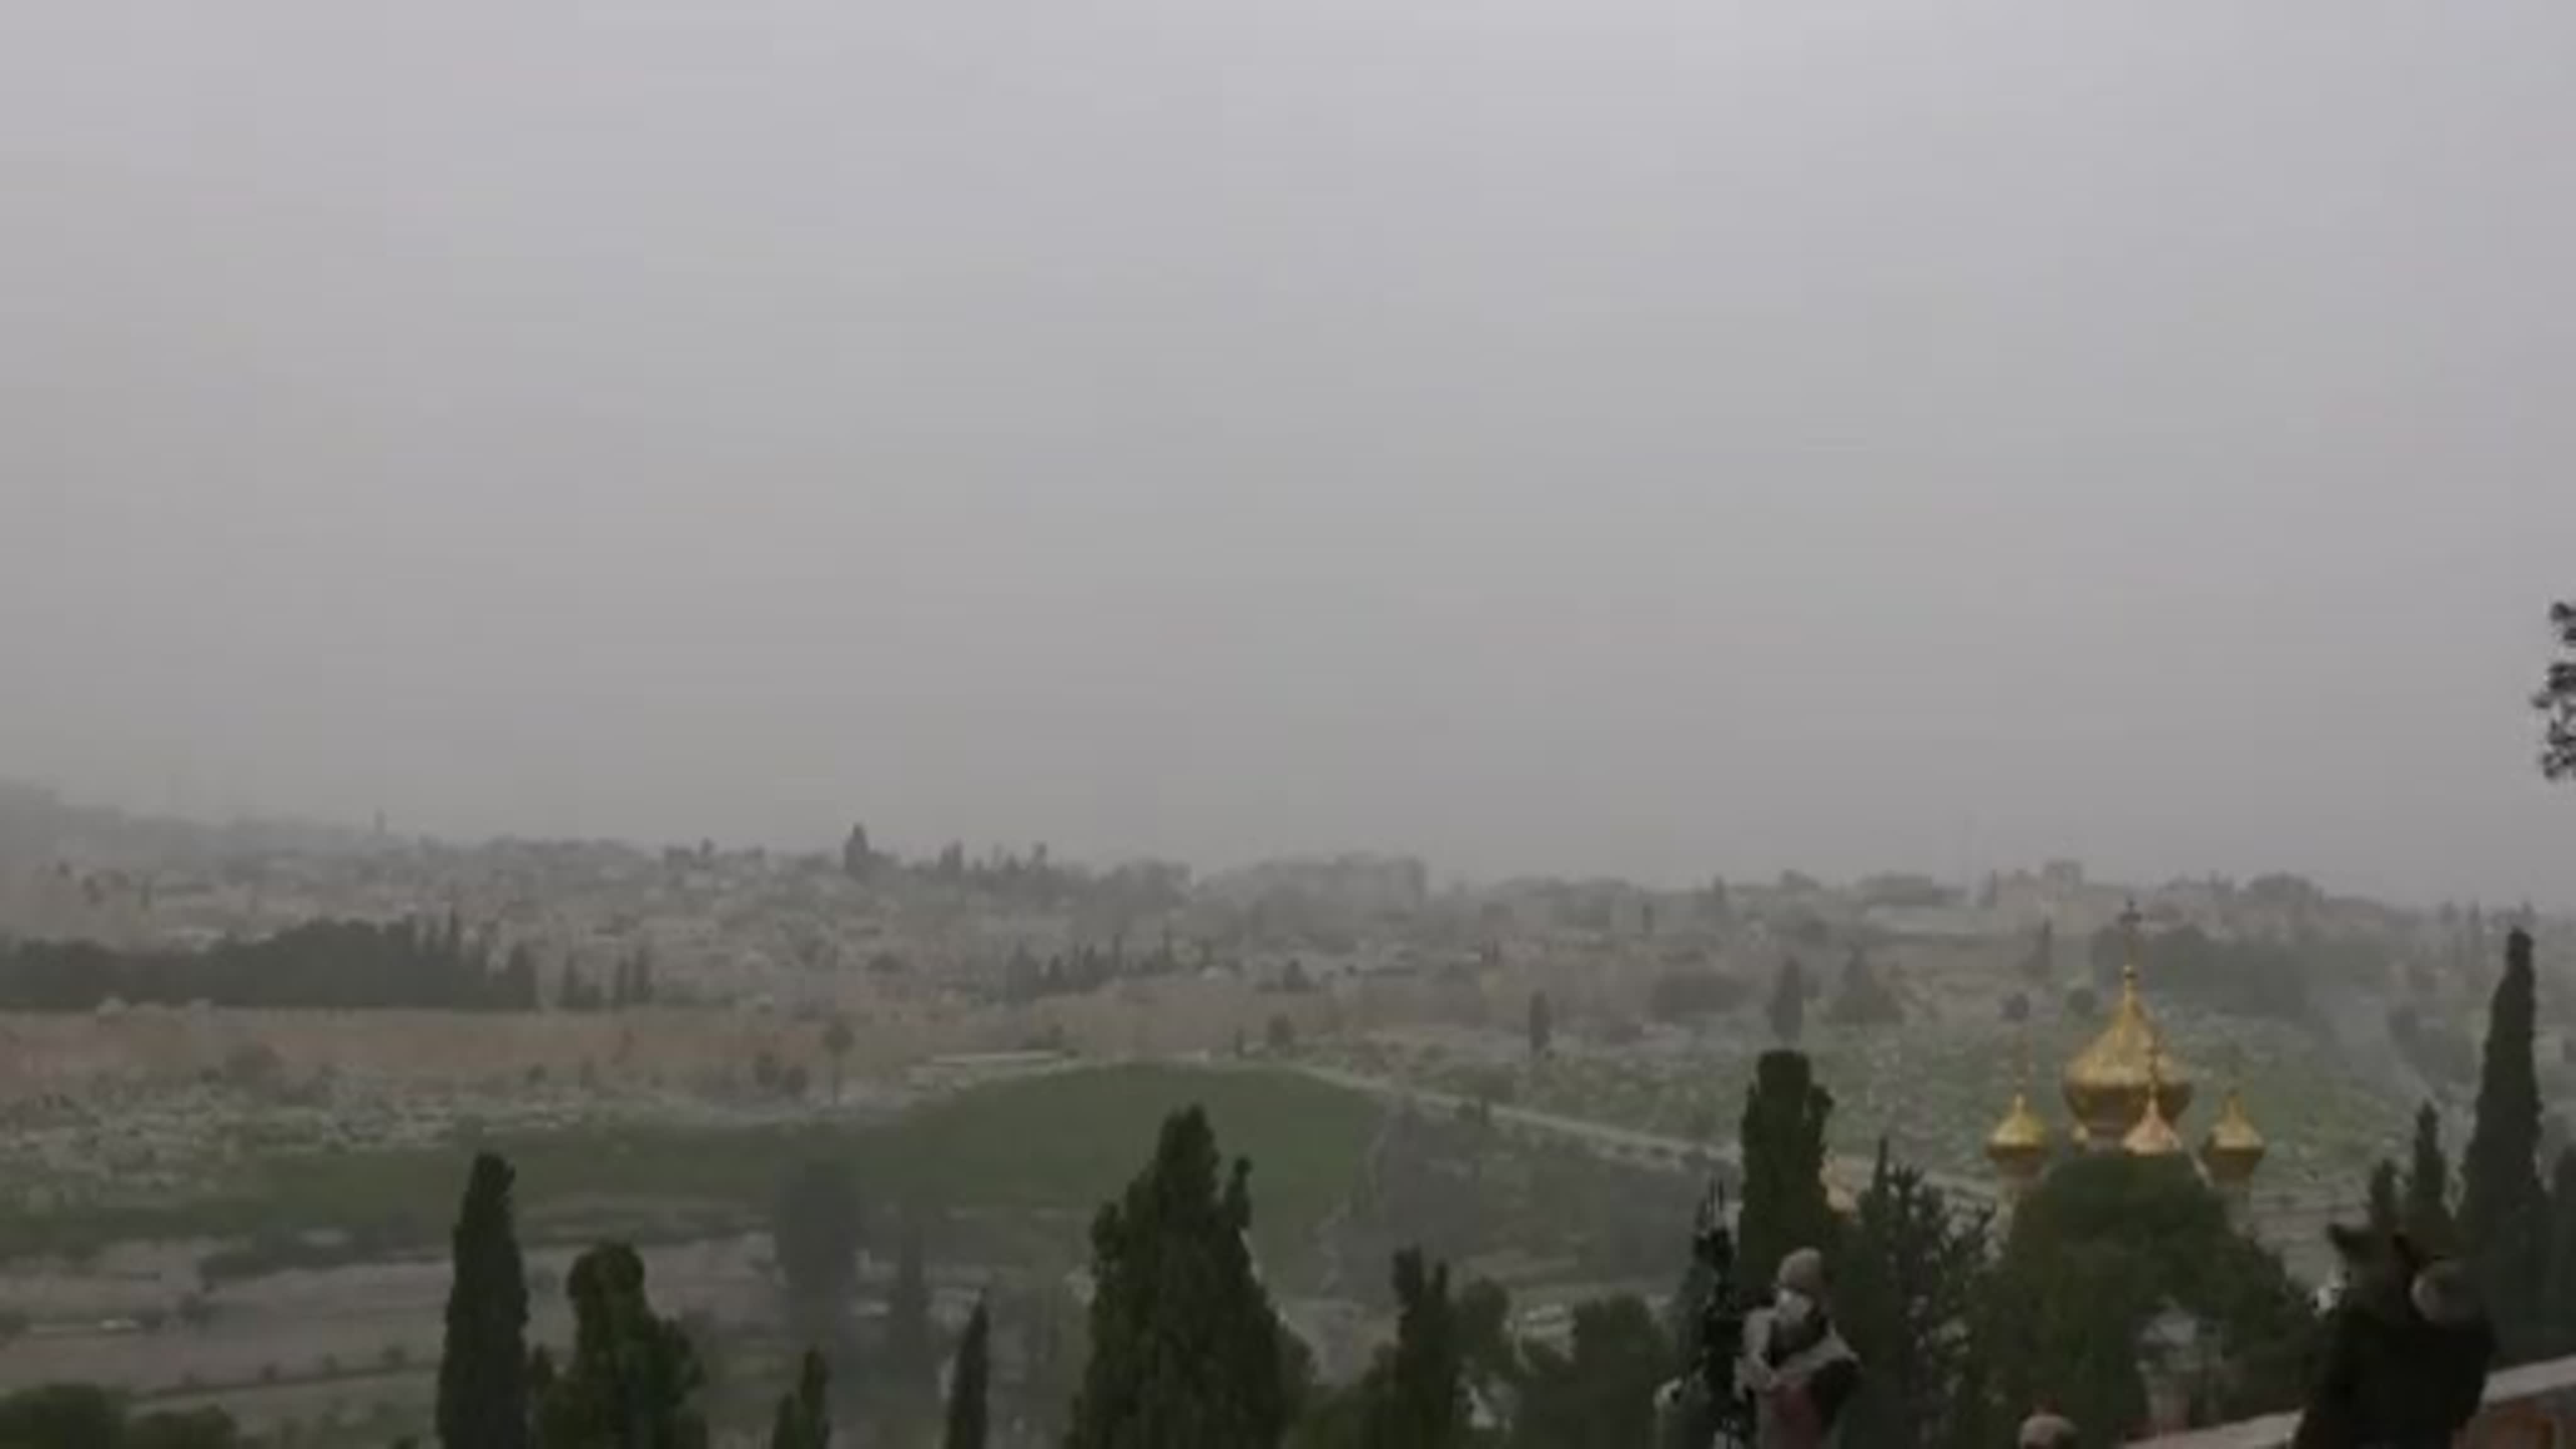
(2234, 1148)
(2108, 1083)
(2153, 1136)
(2019, 1143)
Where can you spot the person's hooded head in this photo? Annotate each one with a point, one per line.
(1800, 1295)
(2378, 1268)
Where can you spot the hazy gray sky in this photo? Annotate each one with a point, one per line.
(1654, 436)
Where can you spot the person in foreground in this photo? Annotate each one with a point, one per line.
(2407, 1350)
(1799, 1371)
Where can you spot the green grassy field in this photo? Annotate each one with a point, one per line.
(1045, 1150)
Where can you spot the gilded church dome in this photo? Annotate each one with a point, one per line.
(2154, 1136)
(2018, 1146)
(2108, 1083)
(2234, 1148)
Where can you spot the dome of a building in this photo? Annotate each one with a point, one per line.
(2153, 1136)
(2019, 1143)
(2108, 1083)
(2234, 1148)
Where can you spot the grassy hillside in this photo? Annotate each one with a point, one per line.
(1042, 1153)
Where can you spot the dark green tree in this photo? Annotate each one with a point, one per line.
(1783, 1140)
(911, 1379)
(1185, 1348)
(969, 1380)
(1601, 1395)
(2041, 963)
(816, 1229)
(837, 1041)
(1863, 999)
(1417, 1394)
(2504, 1215)
(60, 1416)
(2427, 1215)
(1542, 1025)
(632, 1381)
(1910, 1272)
(2387, 1198)
(804, 1419)
(2098, 1248)
(483, 1368)
(1788, 1008)
(2557, 699)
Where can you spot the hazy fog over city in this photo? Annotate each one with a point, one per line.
(1622, 437)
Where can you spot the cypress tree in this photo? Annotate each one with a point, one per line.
(632, 1378)
(912, 1370)
(483, 1368)
(2503, 1212)
(2387, 1203)
(1910, 1270)
(1788, 1006)
(804, 1418)
(1417, 1391)
(1185, 1349)
(967, 1384)
(2427, 1215)
(1783, 1139)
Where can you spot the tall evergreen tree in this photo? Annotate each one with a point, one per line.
(1185, 1348)
(2504, 1226)
(482, 1370)
(633, 1379)
(1542, 1025)
(2428, 1187)
(1602, 1394)
(1418, 1399)
(1909, 1276)
(816, 1229)
(911, 1378)
(2387, 1199)
(1783, 1139)
(804, 1419)
(1788, 1006)
(969, 1382)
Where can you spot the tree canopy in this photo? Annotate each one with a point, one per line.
(483, 1370)
(1185, 1348)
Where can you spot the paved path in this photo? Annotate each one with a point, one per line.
(1624, 1142)
(2291, 1226)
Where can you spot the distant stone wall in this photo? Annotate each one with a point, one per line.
(147, 1047)
(2527, 1408)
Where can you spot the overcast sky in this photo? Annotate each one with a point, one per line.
(1641, 436)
